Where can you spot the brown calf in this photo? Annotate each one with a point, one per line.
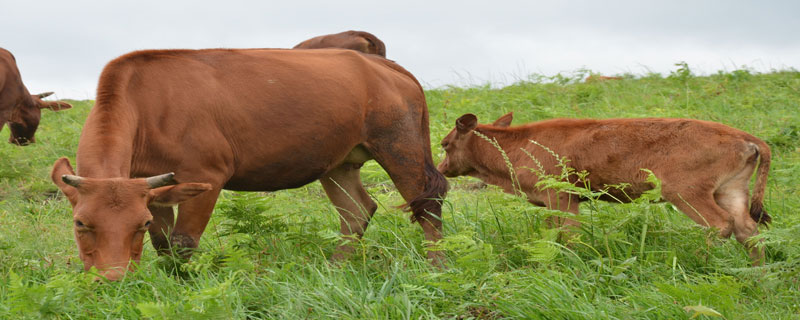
(353, 40)
(19, 108)
(247, 120)
(705, 167)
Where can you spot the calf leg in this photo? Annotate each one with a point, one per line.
(163, 221)
(564, 202)
(193, 216)
(344, 189)
(701, 207)
(733, 197)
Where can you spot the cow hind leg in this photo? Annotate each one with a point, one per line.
(344, 189)
(193, 216)
(733, 197)
(419, 183)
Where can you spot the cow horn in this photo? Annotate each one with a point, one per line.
(44, 94)
(159, 180)
(74, 181)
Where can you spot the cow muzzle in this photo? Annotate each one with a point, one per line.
(444, 169)
(21, 141)
(115, 272)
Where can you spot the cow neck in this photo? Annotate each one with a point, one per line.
(24, 103)
(489, 160)
(105, 149)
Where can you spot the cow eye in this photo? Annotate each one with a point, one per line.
(445, 144)
(147, 224)
(79, 224)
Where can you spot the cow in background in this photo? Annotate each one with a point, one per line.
(599, 78)
(704, 167)
(19, 108)
(353, 40)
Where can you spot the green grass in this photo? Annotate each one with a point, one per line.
(265, 255)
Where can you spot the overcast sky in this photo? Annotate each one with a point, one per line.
(63, 45)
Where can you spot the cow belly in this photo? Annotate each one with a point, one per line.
(275, 176)
(271, 184)
(292, 172)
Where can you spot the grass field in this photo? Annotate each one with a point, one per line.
(264, 255)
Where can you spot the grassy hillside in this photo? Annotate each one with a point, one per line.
(265, 255)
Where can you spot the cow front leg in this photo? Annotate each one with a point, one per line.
(563, 202)
(163, 222)
(193, 216)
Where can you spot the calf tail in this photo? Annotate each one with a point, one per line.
(430, 201)
(757, 201)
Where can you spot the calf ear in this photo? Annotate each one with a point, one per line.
(504, 121)
(61, 168)
(466, 123)
(54, 105)
(171, 195)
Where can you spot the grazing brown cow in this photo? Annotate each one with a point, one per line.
(353, 40)
(599, 78)
(19, 108)
(705, 167)
(241, 119)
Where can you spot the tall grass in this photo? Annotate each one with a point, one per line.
(264, 255)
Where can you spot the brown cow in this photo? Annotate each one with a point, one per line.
(705, 167)
(353, 40)
(599, 78)
(241, 119)
(19, 108)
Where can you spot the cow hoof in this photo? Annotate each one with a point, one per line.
(183, 245)
(342, 253)
(161, 244)
(437, 259)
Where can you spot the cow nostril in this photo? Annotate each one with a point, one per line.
(114, 274)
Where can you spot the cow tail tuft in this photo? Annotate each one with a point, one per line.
(428, 205)
(757, 201)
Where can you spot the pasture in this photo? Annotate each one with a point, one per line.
(264, 255)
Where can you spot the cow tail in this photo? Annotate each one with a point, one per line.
(428, 205)
(757, 201)
(430, 201)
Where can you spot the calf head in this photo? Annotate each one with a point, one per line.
(111, 215)
(26, 118)
(459, 159)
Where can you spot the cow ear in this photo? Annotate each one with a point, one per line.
(504, 121)
(60, 169)
(466, 123)
(54, 105)
(171, 195)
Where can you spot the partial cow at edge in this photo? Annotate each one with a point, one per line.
(705, 167)
(246, 120)
(353, 40)
(19, 108)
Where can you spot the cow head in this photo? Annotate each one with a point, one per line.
(458, 160)
(26, 118)
(111, 215)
